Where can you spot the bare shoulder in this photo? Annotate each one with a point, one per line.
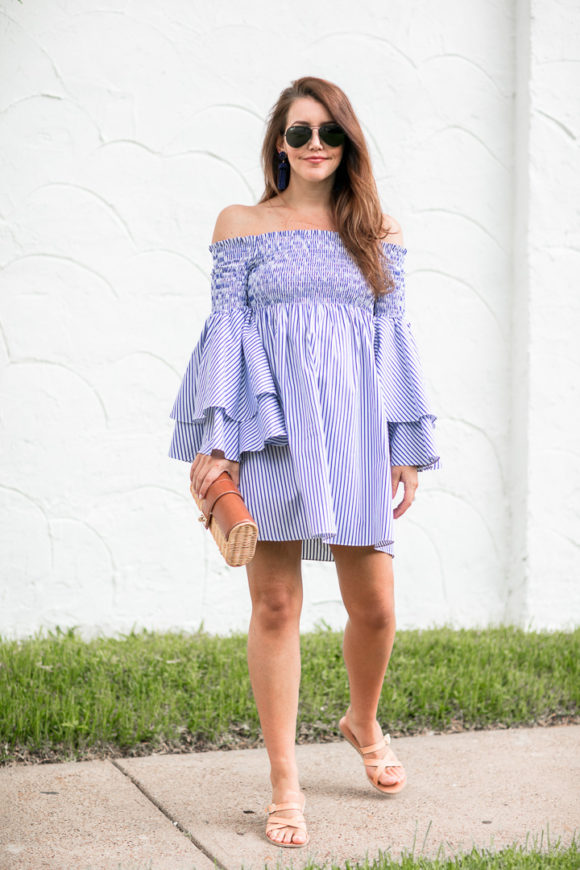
(392, 226)
(234, 220)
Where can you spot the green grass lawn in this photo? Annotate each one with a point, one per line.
(63, 698)
(517, 857)
(512, 858)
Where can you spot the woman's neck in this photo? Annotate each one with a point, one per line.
(308, 198)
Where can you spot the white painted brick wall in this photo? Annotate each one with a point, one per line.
(124, 129)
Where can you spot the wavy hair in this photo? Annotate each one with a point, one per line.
(356, 208)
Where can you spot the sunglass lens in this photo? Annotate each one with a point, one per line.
(332, 134)
(298, 136)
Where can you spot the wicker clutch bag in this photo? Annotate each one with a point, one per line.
(223, 511)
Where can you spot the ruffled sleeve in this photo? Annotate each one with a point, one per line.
(227, 399)
(409, 416)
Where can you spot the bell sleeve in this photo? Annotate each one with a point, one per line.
(410, 419)
(227, 399)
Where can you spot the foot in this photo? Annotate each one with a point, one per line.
(367, 735)
(287, 834)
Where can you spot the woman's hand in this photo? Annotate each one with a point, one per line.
(205, 469)
(410, 477)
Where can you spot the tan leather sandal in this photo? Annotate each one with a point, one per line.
(378, 763)
(279, 822)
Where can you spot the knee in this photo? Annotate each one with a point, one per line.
(377, 617)
(277, 609)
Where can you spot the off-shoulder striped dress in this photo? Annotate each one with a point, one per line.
(315, 388)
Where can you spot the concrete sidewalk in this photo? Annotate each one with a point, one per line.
(179, 812)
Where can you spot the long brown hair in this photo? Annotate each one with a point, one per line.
(356, 208)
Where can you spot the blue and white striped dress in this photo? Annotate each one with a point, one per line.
(315, 388)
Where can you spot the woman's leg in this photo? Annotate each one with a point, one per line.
(367, 586)
(275, 580)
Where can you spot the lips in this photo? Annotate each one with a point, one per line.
(315, 159)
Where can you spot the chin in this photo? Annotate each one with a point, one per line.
(318, 170)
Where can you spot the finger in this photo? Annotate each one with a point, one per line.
(202, 486)
(395, 480)
(193, 471)
(207, 481)
(401, 508)
(197, 465)
(208, 469)
(202, 463)
(406, 502)
(212, 470)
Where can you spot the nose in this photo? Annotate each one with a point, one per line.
(315, 140)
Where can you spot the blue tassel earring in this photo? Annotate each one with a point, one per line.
(283, 170)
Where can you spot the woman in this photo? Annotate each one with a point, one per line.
(308, 368)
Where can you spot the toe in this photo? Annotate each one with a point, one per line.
(391, 776)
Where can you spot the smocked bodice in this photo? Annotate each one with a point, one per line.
(303, 265)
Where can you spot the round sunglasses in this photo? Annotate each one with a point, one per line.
(330, 133)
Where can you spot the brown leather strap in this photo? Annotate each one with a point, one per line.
(216, 499)
(227, 513)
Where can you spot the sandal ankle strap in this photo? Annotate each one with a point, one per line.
(384, 742)
(289, 805)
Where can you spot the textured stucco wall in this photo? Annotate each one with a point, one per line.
(124, 129)
(549, 262)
